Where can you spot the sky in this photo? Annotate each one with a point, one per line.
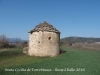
(71, 17)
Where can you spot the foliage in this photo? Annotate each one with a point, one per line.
(69, 40)
(24, 44)
(3, 41)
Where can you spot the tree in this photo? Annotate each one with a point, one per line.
(18, 42)
(25, 44)
(3, 41)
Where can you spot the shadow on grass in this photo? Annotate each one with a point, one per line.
(17, 53)
(10, 54)
(62, 51)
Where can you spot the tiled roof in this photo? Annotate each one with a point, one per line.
(44, 27)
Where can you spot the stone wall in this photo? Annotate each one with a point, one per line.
(43, 44)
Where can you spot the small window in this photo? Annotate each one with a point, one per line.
(49, 38)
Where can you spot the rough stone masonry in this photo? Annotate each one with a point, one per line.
(44, 40)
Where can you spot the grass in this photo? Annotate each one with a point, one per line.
(84, 62)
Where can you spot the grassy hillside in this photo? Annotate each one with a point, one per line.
(79, 39)
(72, 62)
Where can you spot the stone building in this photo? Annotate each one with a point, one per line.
(44, 40)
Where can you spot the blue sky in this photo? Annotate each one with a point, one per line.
(71, 17)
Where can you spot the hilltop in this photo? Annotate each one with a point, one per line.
(79, 39)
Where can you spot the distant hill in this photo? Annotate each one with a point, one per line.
(67, 39)
(14, 40)
(79, 39)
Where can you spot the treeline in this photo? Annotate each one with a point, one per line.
(5, 43)
(70, 40)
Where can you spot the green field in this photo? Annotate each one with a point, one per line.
(72, 62)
